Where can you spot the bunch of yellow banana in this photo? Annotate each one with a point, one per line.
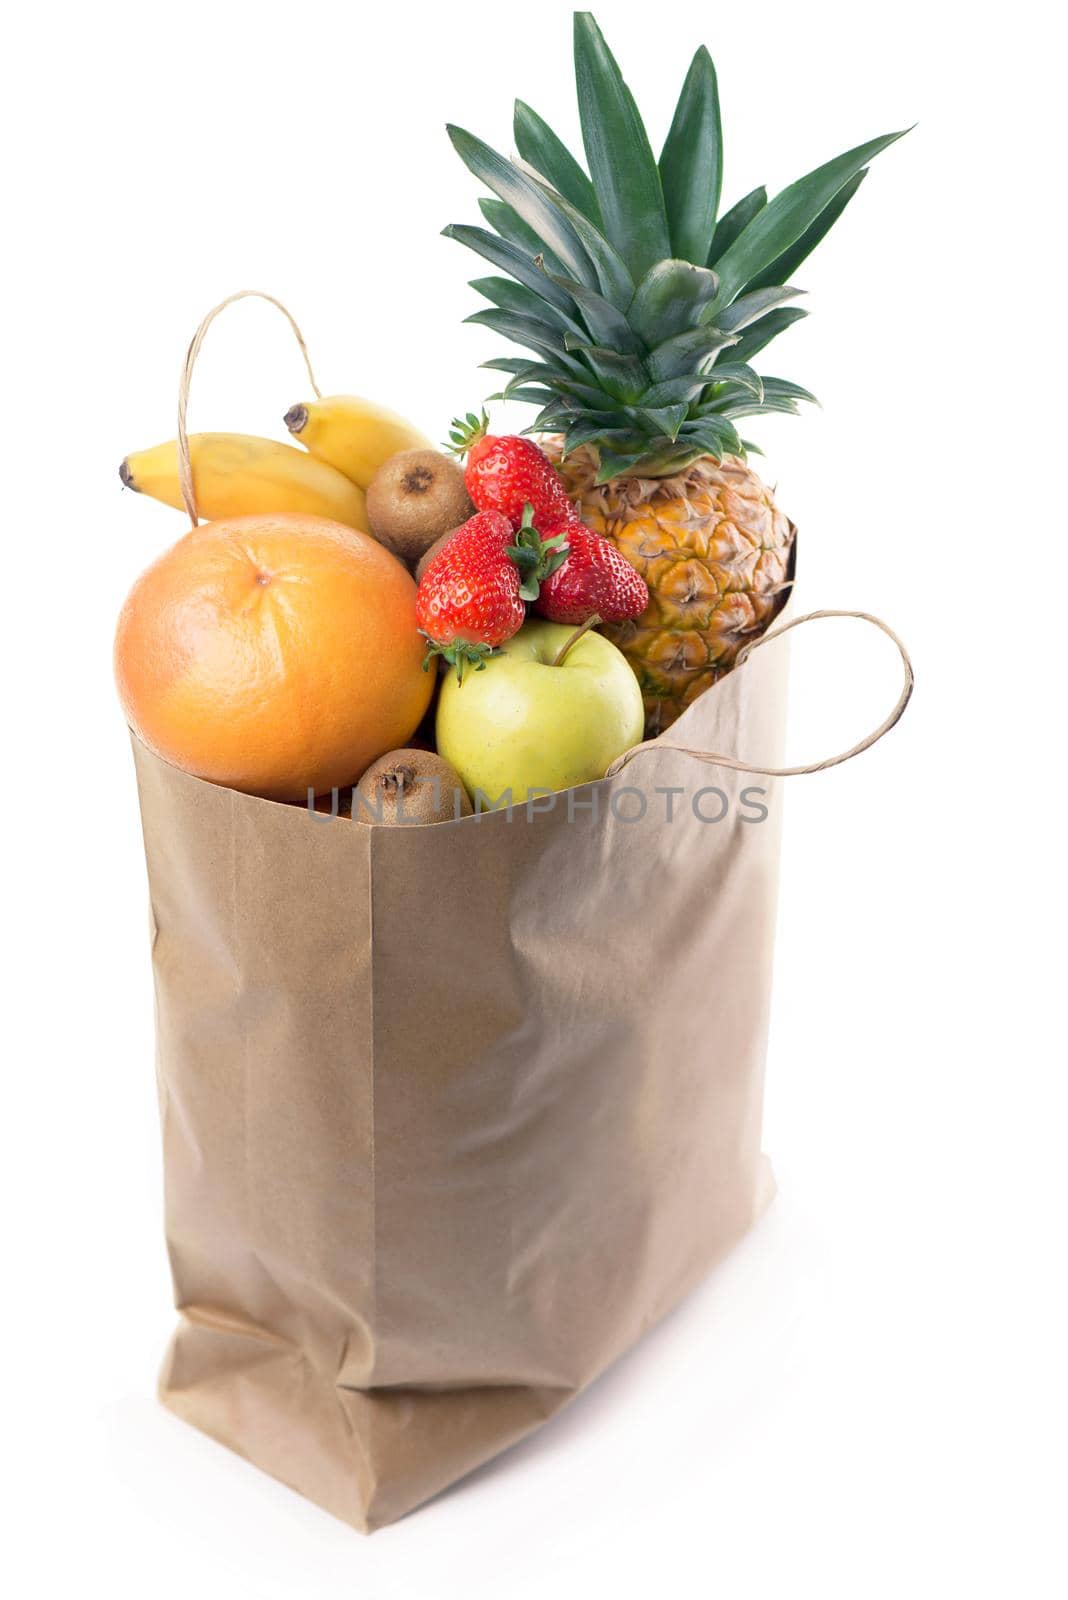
(237, 474)
(355, 436)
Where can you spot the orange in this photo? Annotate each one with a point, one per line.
(273, 654)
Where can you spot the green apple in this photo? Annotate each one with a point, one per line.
(521, 726)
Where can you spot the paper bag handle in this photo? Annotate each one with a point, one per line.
(714, 760)
(185, 465)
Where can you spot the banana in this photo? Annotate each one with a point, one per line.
(236, 474)
(353, 435)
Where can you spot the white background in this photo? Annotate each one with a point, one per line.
(869, 1398)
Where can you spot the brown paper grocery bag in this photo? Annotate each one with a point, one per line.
(452, 1114)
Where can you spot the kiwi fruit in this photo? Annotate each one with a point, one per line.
(407, 787)
(414, 498)
(428, 555)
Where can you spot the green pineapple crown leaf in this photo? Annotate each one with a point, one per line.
(641, 306)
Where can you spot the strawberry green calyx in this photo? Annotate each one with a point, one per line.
(466, 432)
(473, 595)
(460, 654)
(536, 558)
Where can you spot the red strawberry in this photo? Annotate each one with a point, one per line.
(594, 580)
(471, 597)
(507, 473)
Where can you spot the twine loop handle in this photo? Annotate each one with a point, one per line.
(185, 465)
(711, 759)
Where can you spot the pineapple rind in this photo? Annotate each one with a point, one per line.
(716, 553)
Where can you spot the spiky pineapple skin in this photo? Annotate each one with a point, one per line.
(717, 555)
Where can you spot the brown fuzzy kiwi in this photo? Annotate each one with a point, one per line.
(407, 787)
(414, 498)
(428, 555)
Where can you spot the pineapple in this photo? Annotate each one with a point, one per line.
(642, 310)
(716, 553)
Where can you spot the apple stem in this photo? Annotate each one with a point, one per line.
(568, 644)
